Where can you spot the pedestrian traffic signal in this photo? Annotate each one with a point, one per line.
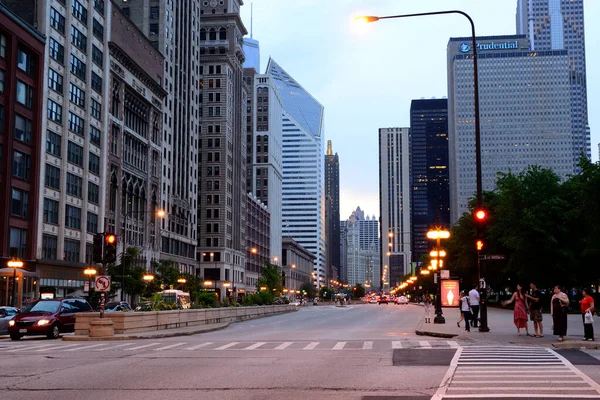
(98, 248)
(110, 248)
(479, 244)
(480, 215)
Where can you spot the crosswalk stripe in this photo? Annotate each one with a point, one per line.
(367, 346)
(452, 344)
(224, 347)
(34, 347)
(57, 347)
(541, 381)
(87, 347)
(116, 346)
(284, 345)
(425, 344)
(339, 346)
(396, 344)
(311, 346)
(142, 347)
(169, 347)
(199, 346)
(255, 346)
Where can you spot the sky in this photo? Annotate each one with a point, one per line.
(366, 77)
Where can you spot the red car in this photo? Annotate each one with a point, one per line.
(47, 317)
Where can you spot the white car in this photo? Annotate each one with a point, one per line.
(401, 300)
(294, 303)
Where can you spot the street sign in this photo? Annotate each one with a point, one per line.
(102, 283)
(450, 293)
(495, 257)
(445, 274)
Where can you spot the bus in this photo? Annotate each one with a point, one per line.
(179, 297)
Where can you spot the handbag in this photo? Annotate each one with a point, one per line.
(587, 318)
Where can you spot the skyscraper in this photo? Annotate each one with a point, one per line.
(430, 192)
(559, 25)
(303, 211)
(222, 178)
(394, 202)
(361, 244)
(525, 113)
(332, 190)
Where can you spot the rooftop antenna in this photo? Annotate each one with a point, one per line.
(251, 18)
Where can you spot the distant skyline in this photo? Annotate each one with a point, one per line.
(366, 78)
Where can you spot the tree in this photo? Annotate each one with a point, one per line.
(270, 278)
(358, 291)
(166, 274)
(308, 289)
(128, 273)
(325, 293)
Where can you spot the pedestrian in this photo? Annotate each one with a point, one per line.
(427, 306)
(535, 310)
(474, 301)
(465, 309)
(521, 308)
(587, 312)
(558, 309)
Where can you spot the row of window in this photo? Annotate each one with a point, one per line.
(72, 216)
(74, 184)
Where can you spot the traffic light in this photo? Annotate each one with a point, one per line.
(110, 248)
(481, 217)
(479, 244)
(98, 248)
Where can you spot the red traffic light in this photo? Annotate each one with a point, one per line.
(480, 215)
(110, 239)
(479, 244)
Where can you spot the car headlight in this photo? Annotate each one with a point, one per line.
(11, 323)
(43, 322)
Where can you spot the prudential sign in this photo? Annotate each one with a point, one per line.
(466, 47)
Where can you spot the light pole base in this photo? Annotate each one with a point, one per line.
(439, 319)
(484, 329)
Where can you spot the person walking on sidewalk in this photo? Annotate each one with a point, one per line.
(520, 314)
(587, 306)
(427, 306)
(474, 301)
(535, 310)
(465, 311)
(558, 310)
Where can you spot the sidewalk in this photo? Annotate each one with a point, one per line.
(187, 331)
(503, 330)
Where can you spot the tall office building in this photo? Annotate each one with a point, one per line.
(559, 25)
(343, 252)
(525, 113)
(332, 190)
(251, 47)
(394, 203)
(361, 250)
(74, 129)
(223, 195)
(303, 210)
(173, 28)
(430, 191)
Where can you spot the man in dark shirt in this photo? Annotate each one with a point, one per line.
(535, 307)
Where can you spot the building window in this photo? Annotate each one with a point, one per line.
(78, 67)
(2, 77)
(96, 82)
(126, 11)
(75, 154)
(95, 135)
(49, 247)
(25, 61)
(153, 29)
(96, 109)
(154, 11)
(52, 178)
(74, 185)
(17, 242)
(2, 46)
(54, 112)
(79, 12)
(94, 163)
(19, 203)
(98, 30)
(56, 51)
(222, 34)
(24, 94)
(72, 217)
(93, 193)
(71, 250)
(76, 96)
(53, 143)
(97, 56)
(92, 222)
(78, 39)
(75, 124)
(57, 21)
(22, 129)
(55, 81)
(51, 211)
(21, 166)
(99, 6)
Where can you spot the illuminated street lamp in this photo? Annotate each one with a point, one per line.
(437, 234)
(148, 277)
(181, 280)
(89, 272)
(14, 264)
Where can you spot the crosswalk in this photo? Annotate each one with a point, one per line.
(514, 372)
(39, 347)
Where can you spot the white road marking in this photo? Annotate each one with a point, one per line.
(87, 347)
(440, 393)
(116, 346)
(284, 345)
(255, 346)
(142, 347)
(225, 347)
(396, 344)
(34, 347)
(452, 344)
(169, 347)
(367, 346)
(425, 344)
(199, 346)
(339, 346)
(311, 346)
(57, 347)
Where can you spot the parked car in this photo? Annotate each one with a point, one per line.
(47, 317)
(6, 314)
(117, 306)
(383, 300)
(401, 300)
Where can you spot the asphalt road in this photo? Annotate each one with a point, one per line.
(365, 352)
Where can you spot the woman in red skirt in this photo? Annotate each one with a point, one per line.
(521, 309)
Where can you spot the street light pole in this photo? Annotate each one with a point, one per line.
(14, 263)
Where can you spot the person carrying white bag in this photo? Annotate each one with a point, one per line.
(587, 311)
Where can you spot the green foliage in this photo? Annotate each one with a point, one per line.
(270, 277)
(358, 291)
(133, 282)
(259, 299)
(166, 273)
(156, 303)
(205, 299)
(325, 293)
(308, 289)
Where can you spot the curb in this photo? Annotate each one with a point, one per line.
(436, 334)
(145, 335)
(577, 345)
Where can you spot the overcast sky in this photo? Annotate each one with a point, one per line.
(366, 78)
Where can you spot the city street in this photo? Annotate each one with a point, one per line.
(357, 352)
